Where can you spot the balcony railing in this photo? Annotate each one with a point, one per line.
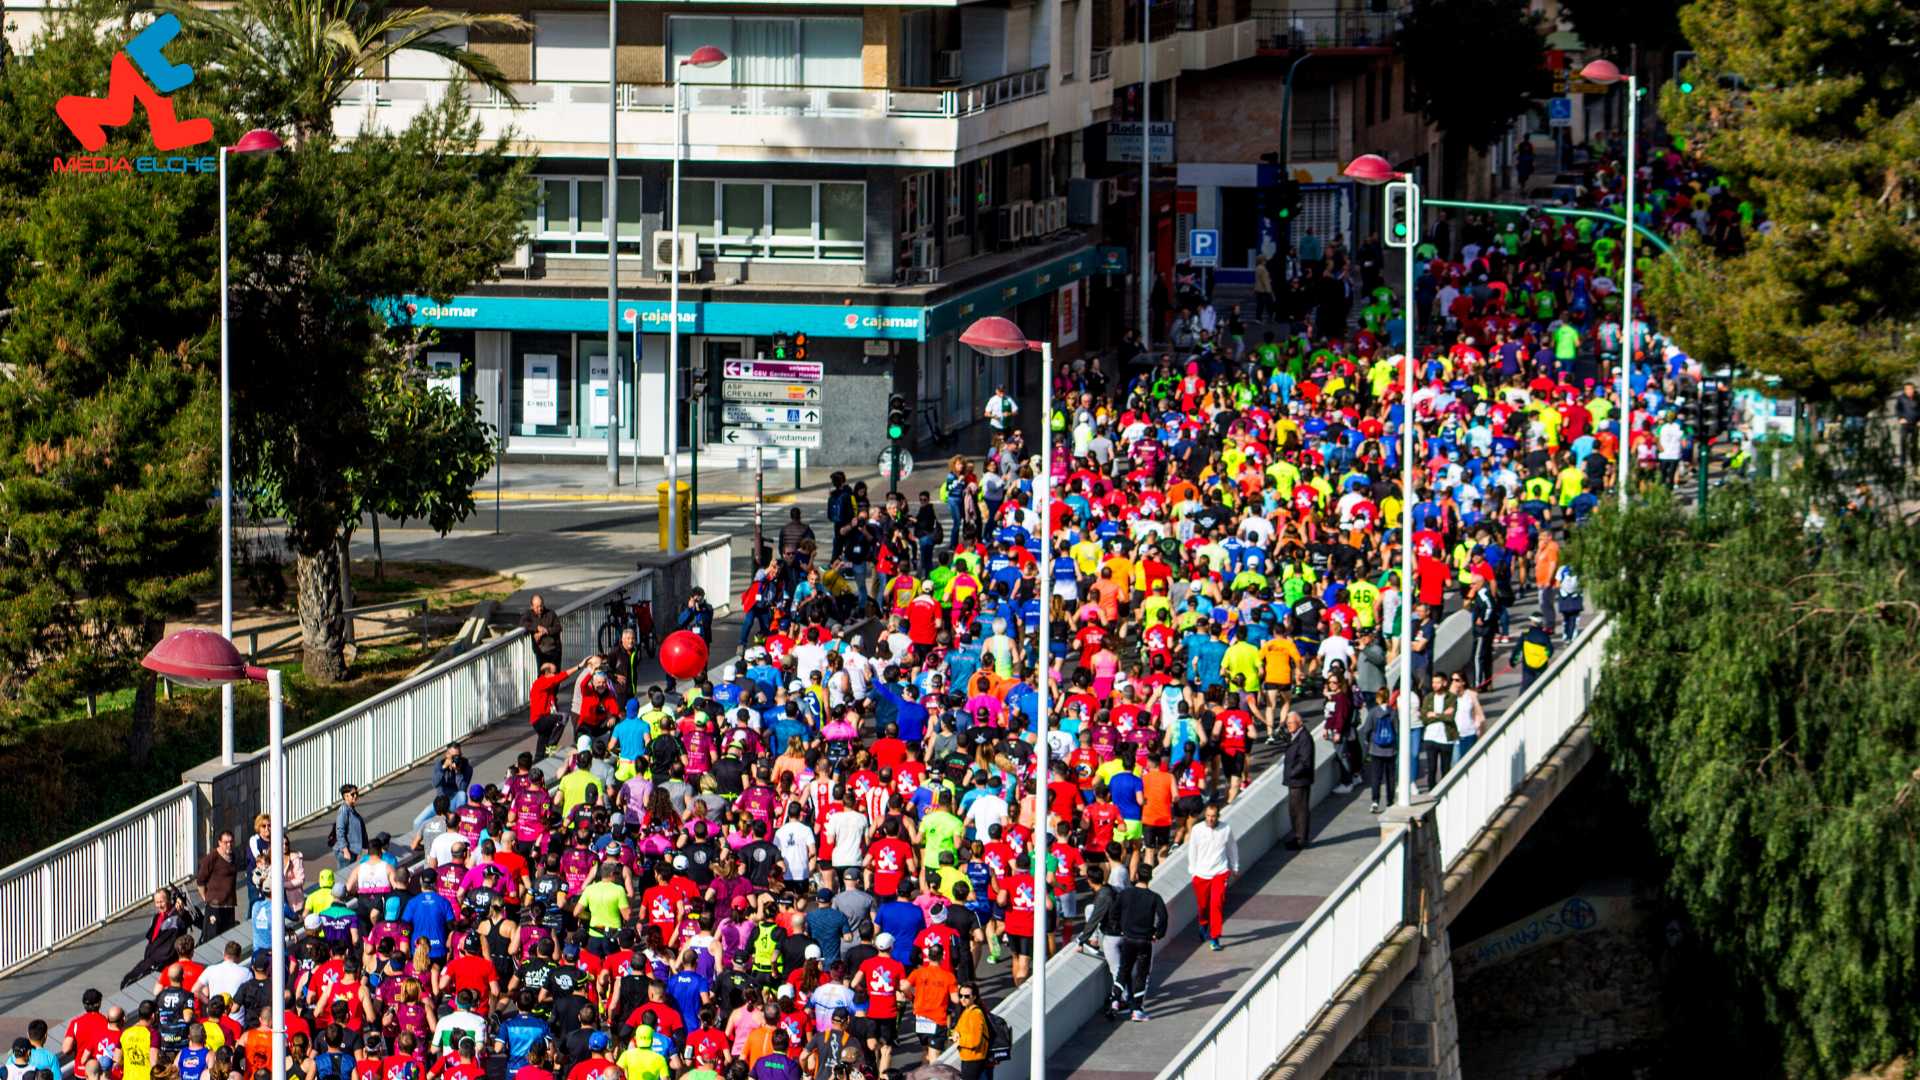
(1100, 66)
(736, 100)
(1326, 28)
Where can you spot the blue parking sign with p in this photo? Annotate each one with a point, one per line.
(1203, 247)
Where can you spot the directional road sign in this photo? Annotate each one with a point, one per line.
(744, 390)
(1203, 247)
(778, 415)
(794, 438)
(804, 371)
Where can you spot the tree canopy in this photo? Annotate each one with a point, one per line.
(1475, 65)
(1814, 110)
(1759, 705)
(108, 448)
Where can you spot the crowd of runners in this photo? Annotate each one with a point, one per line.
(817, 863)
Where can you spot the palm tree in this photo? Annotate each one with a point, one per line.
(288, 63)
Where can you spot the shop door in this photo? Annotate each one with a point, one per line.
(713, 352)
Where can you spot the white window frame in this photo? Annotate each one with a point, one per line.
(545, 236)
(745, 247)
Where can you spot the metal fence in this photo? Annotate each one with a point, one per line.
(1326, 28)
(1506, 754)
(81, 883)
(1277, 1005)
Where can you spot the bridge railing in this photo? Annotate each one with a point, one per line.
(1508, 752)
(1279, 1003)
(1282, 1000)
(85, 881)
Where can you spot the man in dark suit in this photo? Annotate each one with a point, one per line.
(1298, 765)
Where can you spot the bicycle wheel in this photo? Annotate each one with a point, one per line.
(609, 634)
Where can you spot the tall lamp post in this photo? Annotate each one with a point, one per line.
(610, 214)
(257, 141)
(1606, 73)
(204, 658)
(1403, 232)
(997, 336)
(705, 56)
(1146, 178)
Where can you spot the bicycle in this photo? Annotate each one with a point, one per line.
(623, 615)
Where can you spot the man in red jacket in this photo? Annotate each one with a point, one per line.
(543, 707)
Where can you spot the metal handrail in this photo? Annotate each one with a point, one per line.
(1326, 28)
(1258, 1047)
(1491, 770)
(87, 880)
(1389, 860)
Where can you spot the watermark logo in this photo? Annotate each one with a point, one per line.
(141, 74)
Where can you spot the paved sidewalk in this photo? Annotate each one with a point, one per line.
(1265, 905)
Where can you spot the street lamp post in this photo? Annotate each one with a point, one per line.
(609, 218)
(1146, 176)
(204, 658)
(1606, 73)
(257, 141)
(1372, 169)
(705, 56)
(997, 336)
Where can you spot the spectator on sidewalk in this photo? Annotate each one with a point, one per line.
(544, 627)
(217, 878)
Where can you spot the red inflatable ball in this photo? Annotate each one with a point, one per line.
(683, 655)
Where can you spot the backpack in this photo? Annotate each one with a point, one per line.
(766, 948)
(838, 506)
(333, 1065)
(1570, 602)
(999, 1038)
(1383, 733)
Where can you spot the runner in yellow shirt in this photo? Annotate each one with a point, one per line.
(1280, 663)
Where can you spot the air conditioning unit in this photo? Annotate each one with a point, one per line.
(670, 256)
(1006, 225)
(1056, 213)
(946, 66)
(1020, 215)
(1087, 200)
(522, 258)
(1110, 191)
(925, 255)
(1030, 219)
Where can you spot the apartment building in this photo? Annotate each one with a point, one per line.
(875, 176)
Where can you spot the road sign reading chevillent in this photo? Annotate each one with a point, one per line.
(802, 371)
(743, 390)
(774, 415)
(791, 438)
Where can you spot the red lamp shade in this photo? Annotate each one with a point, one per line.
(705, 56)
(1604, 72)
(683, 654)
(198, 658)
(995, 336)
(1371, 169)
(257, 141)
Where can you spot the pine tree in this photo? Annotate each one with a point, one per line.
(1813, 109)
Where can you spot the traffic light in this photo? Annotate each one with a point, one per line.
(1403, 215)
(799, 346)
(1286, 199)
(897, 417)
(1682, 59)
(782, 347)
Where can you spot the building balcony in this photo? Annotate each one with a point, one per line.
(1324, 29)
(928, 127)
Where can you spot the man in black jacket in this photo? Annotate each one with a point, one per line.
(1142, 918)
(1298, 763)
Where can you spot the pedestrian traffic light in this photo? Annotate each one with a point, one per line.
(782, 347)
(1403, 215)
(897, 417)
(799, 346)
(1682, 59)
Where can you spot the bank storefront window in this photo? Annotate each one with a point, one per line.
(569, 216)
(559, 384)
(790, 220)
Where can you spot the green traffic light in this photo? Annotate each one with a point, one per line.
(1399, 228)
(894, 431)
(1686, 86)
(1285, 213)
